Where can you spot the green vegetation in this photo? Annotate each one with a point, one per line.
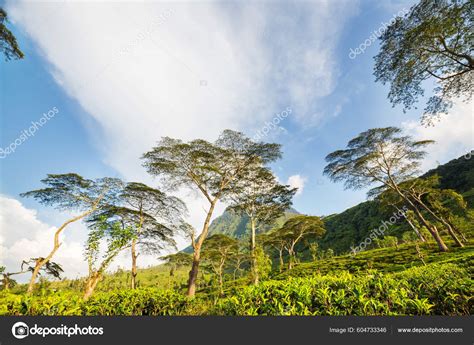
(407, 251)
(8, 44)
(437, 289)
(433, 41)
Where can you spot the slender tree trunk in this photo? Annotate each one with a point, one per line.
(134, 252)
(221, 281)
(41, 262)
(459, 232)
(433, 231)
(91, 285)
(253, 252)
(134, 264)
(6, 282)
(420, 254)
(193, 273)
(431, 228)
(291, 254)
(443, 221)
(453, 235)
(281, 260)
(417, 232)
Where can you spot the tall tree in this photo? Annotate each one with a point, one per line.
(211, 168)
(262, 199)
(73, 193)
(298, 228)
(449, 204)
(177, 260)
(424, 193)
(276, 241)
(117, 237)
(432, 41)
(217, 250)
(390, 199)
(8, 43)
(154, 216)
(384, 156)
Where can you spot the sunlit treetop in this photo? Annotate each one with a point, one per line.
(433, 41)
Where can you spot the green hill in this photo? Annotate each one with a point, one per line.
(354, 224)
(237, 226)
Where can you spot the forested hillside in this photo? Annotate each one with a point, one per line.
(350, 227)
(353, 225)
(237, 226)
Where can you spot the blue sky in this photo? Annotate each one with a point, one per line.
(190, 70)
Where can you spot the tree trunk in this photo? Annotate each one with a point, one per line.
(42, 262)
(417, 232)
(6, 282)
(443, 221)
(281, 260)
(459, 232)
(291, 254)
(193, 273)
(453, 235)
(134, 264)
(221, 282)
(91, 285)
(134, 251)
(35, 272)
(431, 228)
(253, 253)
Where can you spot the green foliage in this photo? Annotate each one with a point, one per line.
(8, 44)
(235, 225)
(441, 289)
(354, 225)
(117, 238)
(264, 263)
(387, 260)
(126, 302)
(386, 241)
(432, 41)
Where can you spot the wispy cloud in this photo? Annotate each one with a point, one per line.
(186, 69)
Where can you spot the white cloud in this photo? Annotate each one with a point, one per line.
(453, 135)
(185, 69)
(23, 236)
(297, 181)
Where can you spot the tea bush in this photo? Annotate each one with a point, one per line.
(125, 302)
(440, 289)
(436, 289)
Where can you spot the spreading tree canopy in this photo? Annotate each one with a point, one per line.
(214, 169)
(8, 43)
(434, 41)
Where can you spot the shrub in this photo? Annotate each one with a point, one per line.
(439, 289)
(124, 302)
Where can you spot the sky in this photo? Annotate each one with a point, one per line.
(119, 75)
